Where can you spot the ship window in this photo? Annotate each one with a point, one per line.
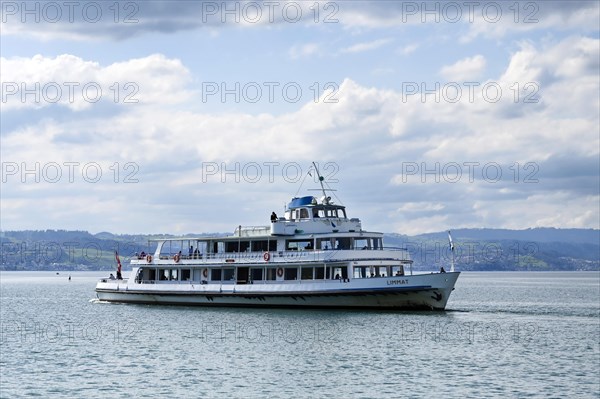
(397, 270)
(237, 246)
(264, 245)
(307, 273)
(337, 273)
(344, 243)
(139, 275)
(379, 271)
(163, 274)
(165, 250)
(173, 274)
(362, 243)
(335, 243)
(259, 245)
(215, 274)
(377, 244)
(324, 243)
(185, 274)
(228, 274)
(319, 273)
(151, 274)
(291, 273)
(361, 272)
(271, 274)
(303, 213)
(198, 250)
(299, 245)
(170, 248)
(256, 274)
(218, 247)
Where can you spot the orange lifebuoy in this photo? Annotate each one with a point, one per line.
(149, 258)
(176, 258)
(279, 271)
(266, 256)
(205, 273)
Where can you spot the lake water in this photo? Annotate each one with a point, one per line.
(517, 335)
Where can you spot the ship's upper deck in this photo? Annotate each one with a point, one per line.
(308, 231)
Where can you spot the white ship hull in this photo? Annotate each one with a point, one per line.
(423, 291)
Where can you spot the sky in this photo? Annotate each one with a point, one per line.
(198, 116)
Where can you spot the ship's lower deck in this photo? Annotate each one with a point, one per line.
(424, 291)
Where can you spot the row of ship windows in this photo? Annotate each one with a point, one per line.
(194, 250)
(303, 213)
(266, 274)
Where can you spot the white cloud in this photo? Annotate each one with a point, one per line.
(366, 46)
(370, 133)
(304, 50)
(467, 69)
(70, 81)
(534, 16)
(409, 49)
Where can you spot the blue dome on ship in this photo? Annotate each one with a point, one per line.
(302, 201)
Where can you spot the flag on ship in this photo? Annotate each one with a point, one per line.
(118, 265)
(451, 250)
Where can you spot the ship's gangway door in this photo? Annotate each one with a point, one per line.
(242, 275)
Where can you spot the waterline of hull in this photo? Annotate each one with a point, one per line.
(430, 299)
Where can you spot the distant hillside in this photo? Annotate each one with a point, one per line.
(540, 234)
(474, 249)
(65, 250)
(488, 249)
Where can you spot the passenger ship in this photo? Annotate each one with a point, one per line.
(314, 256)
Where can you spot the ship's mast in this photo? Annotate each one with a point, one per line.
(325, 200)
(451, 250)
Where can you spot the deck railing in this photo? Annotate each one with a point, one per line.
(320, 255)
